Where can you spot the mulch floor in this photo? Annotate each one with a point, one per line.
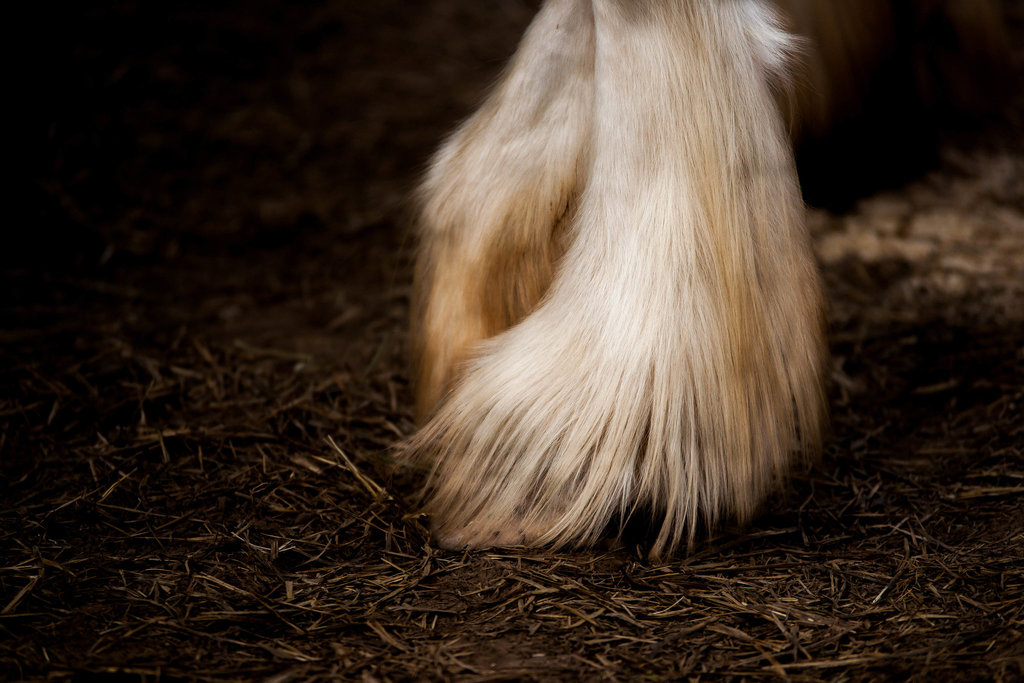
(202, 356)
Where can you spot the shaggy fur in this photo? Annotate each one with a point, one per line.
(617, 307)
(498, 195)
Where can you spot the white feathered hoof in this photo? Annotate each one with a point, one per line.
(675, 363)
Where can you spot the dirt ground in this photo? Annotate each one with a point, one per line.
(203, 371)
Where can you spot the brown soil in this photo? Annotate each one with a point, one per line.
(202, 362)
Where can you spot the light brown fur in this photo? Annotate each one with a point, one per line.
(493, 213)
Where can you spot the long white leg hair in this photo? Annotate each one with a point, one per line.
(626, 205)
